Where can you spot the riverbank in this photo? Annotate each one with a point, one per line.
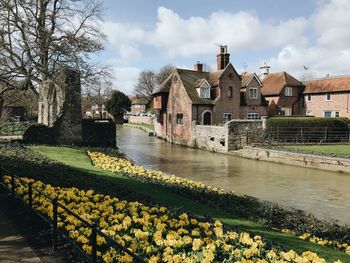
(79, 172)
(326, 163)
(148, 128)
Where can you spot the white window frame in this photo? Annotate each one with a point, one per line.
(252, 93)
(204, 90)
(179, 118)
(253, 116)
(287, 111)
(288, 92)
(308, 113)
(225, 117)
(324, 113)
(335, 114)
(326, 97)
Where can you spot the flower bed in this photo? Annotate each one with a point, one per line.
(244, 206)
(155, 233)
(321, 241)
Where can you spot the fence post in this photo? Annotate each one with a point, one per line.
(278, 136)
(94, 242)
(301, 134)
(246, 137)
(325, 134)
(54, 225)
(30, 195)
(13, 185)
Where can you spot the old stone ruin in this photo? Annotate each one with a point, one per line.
(60, 116)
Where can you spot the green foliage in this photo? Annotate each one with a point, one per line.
(78, 172)
(13, 128)
(118, 104)
(308, 129)
(294, 122)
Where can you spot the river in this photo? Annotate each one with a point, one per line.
(322, 193)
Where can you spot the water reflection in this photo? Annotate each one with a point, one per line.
(325, 194)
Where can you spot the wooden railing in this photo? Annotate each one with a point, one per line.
(54, 222)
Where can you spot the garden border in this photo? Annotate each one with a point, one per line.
(55, 231)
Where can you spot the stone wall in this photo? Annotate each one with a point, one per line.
(60, 107)
(212, 138)
(243, 132)
(68, 126)
(141, 119)
(296, 159)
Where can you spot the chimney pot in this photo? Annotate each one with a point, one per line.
(223, 58)
(198, 67)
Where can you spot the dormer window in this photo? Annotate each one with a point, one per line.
(204, 90)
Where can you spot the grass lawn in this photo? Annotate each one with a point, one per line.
(77, 159)
(342, 150)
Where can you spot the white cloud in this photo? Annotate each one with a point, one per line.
(330, 54)
(125, 39)
(320, 41)
(126, 78)
(331, 23)
(240, 31)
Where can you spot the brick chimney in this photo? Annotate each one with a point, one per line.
(223, 58)
(198, 67)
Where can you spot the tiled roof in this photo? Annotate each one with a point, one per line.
(189, 79)
(329, 84)
(139, 100)
(274, 83)
(246, 76)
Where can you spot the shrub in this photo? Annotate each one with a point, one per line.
(38, 133)
(308, 129)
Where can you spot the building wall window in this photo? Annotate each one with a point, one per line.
(289, 92)
(286, 111)
(337, 114)
(227, 117)
(308, 113)
(179, 118)
(253, 93)
(328, 97)
(327, 114)
(308, 98)
(253, 116)
(230, 92)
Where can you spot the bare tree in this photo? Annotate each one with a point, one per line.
(164, 73)
(97, 94)
(149, 81)
(40, 37)
(146, 84)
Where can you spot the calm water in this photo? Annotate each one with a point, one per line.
(325, 194)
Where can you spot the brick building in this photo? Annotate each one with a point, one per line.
(328, 97)
(283, 92)
(139, 105)
(190, 97)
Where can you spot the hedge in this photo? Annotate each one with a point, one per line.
(308, 129)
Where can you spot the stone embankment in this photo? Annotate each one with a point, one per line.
(150, 132)
(297, 159)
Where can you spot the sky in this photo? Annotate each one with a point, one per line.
(288, 35)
